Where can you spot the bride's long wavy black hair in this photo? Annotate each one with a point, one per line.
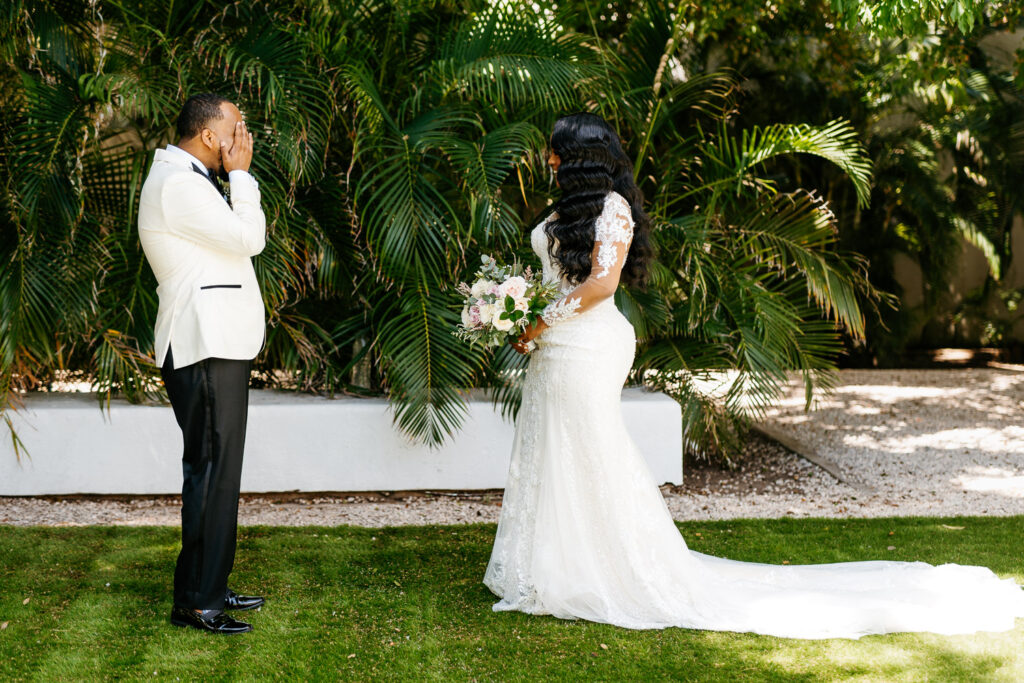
(592, 165)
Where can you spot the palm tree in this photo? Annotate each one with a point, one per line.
(396, 142)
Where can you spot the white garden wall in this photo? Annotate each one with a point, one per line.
(294, 443)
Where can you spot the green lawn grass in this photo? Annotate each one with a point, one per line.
(407, 603)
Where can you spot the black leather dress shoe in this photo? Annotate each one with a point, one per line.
(214, 621)
(240, 603)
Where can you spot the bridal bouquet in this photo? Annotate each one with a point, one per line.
(502, 302)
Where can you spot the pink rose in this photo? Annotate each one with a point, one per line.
(514, 287)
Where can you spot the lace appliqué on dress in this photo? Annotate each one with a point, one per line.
(612, 227)
(561, 310)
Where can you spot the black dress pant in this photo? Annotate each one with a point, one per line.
(210, 401)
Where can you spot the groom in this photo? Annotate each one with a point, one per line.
(209, 327)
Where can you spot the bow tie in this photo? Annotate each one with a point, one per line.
(209, 175)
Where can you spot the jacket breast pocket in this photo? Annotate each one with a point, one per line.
(221, 287)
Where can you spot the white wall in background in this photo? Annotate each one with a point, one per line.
(295, 442)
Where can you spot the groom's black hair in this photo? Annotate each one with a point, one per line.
(197, 111)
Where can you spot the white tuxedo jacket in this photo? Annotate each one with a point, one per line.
(200, 250)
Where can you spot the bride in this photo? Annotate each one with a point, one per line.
(584, 531)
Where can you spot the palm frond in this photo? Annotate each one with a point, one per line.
(795, 232)
(409, 221)
(425, 364)
(486, 164)
(45, 151)
(511, 56)
(837, 141)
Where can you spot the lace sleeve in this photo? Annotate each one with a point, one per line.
(613, 231)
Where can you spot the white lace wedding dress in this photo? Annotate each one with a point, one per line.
(584, 531)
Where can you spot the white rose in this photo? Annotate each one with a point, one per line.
(514, 287)
(522, 304)
(486, 311)
(481, 287)
(502, 324)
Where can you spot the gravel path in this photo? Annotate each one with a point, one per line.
(925, 442)
(928, 442)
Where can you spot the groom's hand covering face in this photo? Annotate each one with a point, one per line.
(229, 139)
(236, 154)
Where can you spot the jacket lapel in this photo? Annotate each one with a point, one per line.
(213, 182)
